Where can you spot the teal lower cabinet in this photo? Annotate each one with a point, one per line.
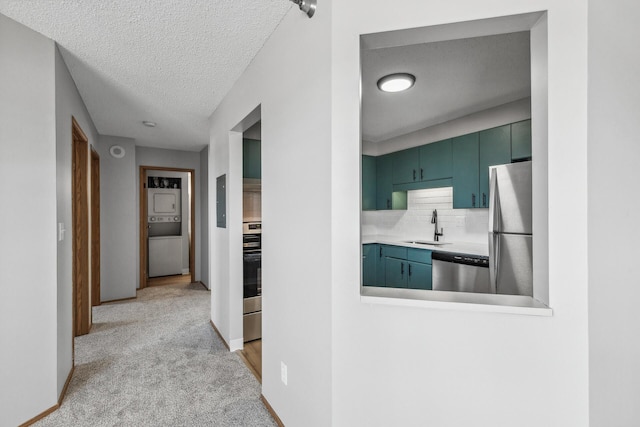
(369, 262)
(396, 267)
(419, 275)
(396, 273)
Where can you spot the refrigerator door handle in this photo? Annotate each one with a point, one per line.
(494, 257)
(494, 201)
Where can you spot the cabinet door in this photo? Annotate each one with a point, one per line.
(368, 183)
(384, 183)
(406, 166)
(419, 275)
(396, 272)
(436, 160)
(465, 171)
(369, 261)
(495, 149)
(251, 158)
(521, 140)
(380, 266)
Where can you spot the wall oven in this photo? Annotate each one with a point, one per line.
(252, 280)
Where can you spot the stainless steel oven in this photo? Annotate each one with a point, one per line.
(252, 280)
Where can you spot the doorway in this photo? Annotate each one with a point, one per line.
(80, 245)
(252, 247)
(164, 229)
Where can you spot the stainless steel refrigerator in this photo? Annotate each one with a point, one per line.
(510, 229)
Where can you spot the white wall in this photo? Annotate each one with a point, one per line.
(204, 217)
(614, 230)
(290, 80)
(28, 300)
(395, 365)
(68, 104)
(146, 156)
(487, 119)
(118, 220)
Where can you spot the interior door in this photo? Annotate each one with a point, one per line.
(80, 213)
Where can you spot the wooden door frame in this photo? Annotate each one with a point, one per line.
(95, 228)
(80, 227)
(144, 223)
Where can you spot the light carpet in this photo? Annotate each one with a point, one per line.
(156, 361)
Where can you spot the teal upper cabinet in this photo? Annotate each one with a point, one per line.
(386, 198)
(495, 149)
(384, 182)
(436, 160)
(368, 183)
(251, 163)
(465, 171)
(406, 166)
(521, 140)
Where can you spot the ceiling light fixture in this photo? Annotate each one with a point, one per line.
(307, 6)
(149, 124)
(397, 82)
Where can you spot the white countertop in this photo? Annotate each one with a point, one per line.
(456, 247)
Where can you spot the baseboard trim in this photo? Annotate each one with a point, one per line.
(118, 300)
(219, 334)
(66, 386)
(54, 407)
(40, 416)
(275, 416)
(205, 286)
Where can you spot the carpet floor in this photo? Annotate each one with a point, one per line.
(156, 361)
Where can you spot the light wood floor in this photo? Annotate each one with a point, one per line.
(252, 356)
(169, 280)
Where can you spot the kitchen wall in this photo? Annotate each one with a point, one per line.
(460, 225)
(147, 156)
(68, 104)
(459, 367)
(118, 220)
(28, 307)
(288, 84)
(614, 229)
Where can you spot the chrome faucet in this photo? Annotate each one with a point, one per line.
(434, 220)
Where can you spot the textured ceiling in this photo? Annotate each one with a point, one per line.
(454, 78)
(167, 61)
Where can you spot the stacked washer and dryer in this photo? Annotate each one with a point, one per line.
(165, 231)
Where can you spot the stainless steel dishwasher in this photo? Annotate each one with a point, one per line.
(461, 273)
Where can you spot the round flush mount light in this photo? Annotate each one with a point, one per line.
(149, 124)
(396, 82)
(117, 151)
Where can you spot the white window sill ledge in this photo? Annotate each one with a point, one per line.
(463, 301)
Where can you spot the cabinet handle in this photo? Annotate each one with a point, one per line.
(402, 268)
(414, 174)
(380, 251)
(388, 204)
(484, 200)
(409, 270)
(473, 200)
(421, 174)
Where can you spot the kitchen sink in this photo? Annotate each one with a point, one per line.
(427, 242)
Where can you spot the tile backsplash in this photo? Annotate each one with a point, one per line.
(460, 225)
